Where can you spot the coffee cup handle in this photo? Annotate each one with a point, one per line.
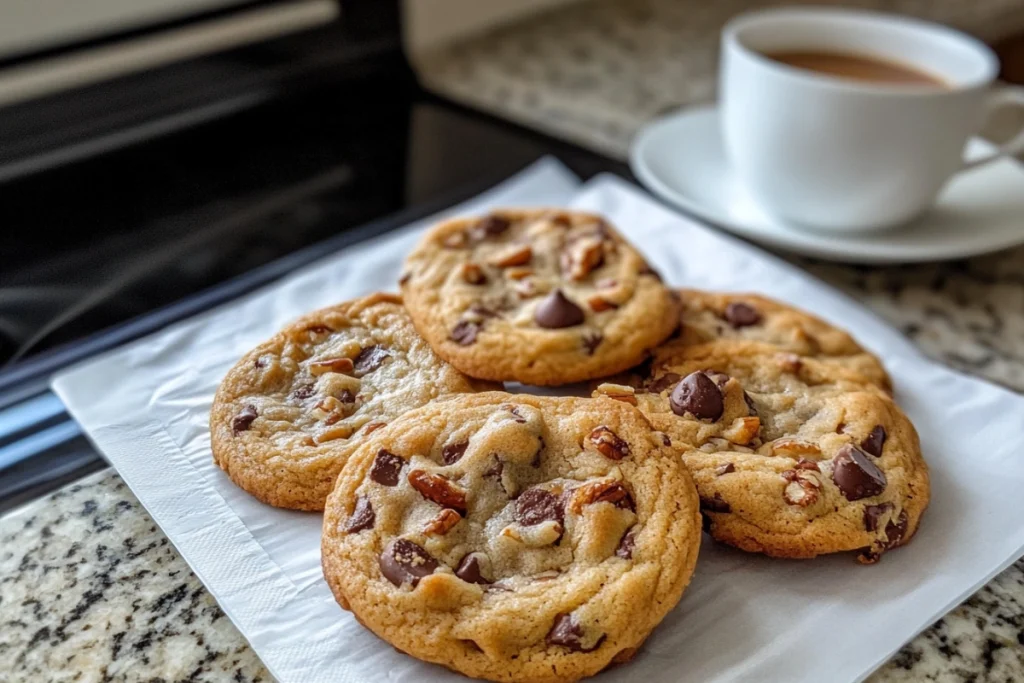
(1000, 98)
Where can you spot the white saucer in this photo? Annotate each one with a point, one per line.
(680, 159)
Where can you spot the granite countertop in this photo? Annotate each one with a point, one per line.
(90, 588)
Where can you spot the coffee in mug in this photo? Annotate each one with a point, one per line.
(856, 67)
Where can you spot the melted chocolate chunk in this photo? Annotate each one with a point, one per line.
(405, 562)
(715, 504)
(386, 468)
(567, 633)
(346, 396)
(896, 530)
(243, 420)
(453, 452)
(874, 441)
(627, 544)
(469, 569)
(362, 517)
(727, 468)
(557, 311)
(855, 475)
(464, 333)
(491, 226)
(739, 314)
(368, 360)
(873, 515)
(751, 408)
(534, 506)
(304, 392)
(591, 341)
(719, 378)
(669, 379)
(698, 395)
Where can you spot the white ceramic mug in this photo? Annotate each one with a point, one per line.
(844, 155)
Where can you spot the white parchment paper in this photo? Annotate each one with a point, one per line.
(744, 617)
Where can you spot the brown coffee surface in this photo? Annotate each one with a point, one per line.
(856, 67)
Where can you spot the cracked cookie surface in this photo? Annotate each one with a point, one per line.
(540, 297)
(289, 413)
(513, 537)
(792, 457)
(709, 316)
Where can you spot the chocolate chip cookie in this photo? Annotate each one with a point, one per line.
(513, 538)
(539, 297)
(792, 456)
(709, 316)
(289, 413)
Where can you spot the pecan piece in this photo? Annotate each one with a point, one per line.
(598, 303)
(608, 443)
(601, 492)
(802, 487)
(582, 256)
(743, 430)
(473, 274)
(439, 489)
(319, 367)
(516, 255)
(794, 448)
(620, 392)
(442, 523)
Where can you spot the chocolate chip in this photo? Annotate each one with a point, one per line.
(627, 544)
(243, 420)
(698, 395)
(751, 408)
(727, 468)
(495, 471)
(591, 341)
(453, 452)
(386, 467)
(739, 314)
(491, 226)
(556, 311)
(304, 392)
(405, 278)
(405, 562)
(715, 504)
(368, 360)
(874, 441)
(483, 311)
(874, 513)
(346, 396)
(666, 439)
(537, 505)
(669, 379)
(469, 569)
(855, 475)
(259, 363)
(895, 531)
(540, 449)
(362, 517)
(719, 378)
(464, 333)
(567, 633)
(841, 428)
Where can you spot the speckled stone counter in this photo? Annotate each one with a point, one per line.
(91, 590)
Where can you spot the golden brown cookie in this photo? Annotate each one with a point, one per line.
(513, 538)
(792, 456)
(289, 413)
(539, 297)
(709, 316)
